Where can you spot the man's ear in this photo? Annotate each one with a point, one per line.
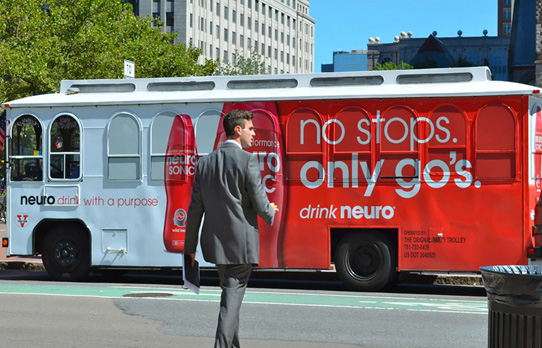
(238, 130)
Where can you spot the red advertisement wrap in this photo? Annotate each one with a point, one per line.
(179, 172)
(538, 148)
(425, 172)
(537, 153)
(268, 145)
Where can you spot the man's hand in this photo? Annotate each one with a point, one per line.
(192, 258)
(275, 207)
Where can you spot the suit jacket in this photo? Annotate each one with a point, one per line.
(228, 190)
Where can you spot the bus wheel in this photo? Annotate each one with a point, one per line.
(365, 261)
(66, 254)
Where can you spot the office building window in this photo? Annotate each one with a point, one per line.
(506, 28)
(507, 14)
(225, 34)
(226, 13)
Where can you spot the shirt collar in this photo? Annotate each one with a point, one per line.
(229, 141)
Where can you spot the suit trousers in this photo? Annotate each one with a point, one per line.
(233, 281)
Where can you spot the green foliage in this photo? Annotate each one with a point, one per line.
(393, 66)
(252, 65)
(428, 62)
(43, 42)
(462, 62)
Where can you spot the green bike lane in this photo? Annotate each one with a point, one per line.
(255, 296)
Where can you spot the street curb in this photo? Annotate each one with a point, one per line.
(435, 279)
(22, 266)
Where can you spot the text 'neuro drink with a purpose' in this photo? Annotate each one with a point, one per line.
(268, 147)
(179, 173)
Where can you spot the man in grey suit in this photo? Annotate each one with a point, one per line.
(228, 190)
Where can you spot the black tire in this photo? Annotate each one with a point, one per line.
(366, 261)
(66, 254)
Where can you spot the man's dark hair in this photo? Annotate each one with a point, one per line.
(235, 118)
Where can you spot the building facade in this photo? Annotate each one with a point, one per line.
(491, 51)
(279, 30)
(356, 60)
(504, 17)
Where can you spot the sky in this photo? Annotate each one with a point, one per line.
(346, 25)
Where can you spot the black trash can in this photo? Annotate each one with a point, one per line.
(515, 305)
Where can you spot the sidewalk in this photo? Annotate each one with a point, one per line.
(32, 263)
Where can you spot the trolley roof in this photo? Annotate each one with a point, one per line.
(452, 82)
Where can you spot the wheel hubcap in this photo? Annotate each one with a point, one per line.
(364, 261)
(66, 253)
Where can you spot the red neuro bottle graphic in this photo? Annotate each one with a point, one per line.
(268, 145)
(179, 173)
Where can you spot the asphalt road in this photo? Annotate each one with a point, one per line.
(141, 310)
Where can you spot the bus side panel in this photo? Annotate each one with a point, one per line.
(533, 144)
(447, 171)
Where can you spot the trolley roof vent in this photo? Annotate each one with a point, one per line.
(347, 81)
(179, 86)
(104, 88)
(262, 84)
(408, 79)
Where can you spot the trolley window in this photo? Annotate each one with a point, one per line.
(26, 149)
(65, 150)
(124, 148)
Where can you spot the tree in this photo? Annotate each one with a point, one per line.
(45, 41)
(462, 62)
(251, 65)
(392, 66)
